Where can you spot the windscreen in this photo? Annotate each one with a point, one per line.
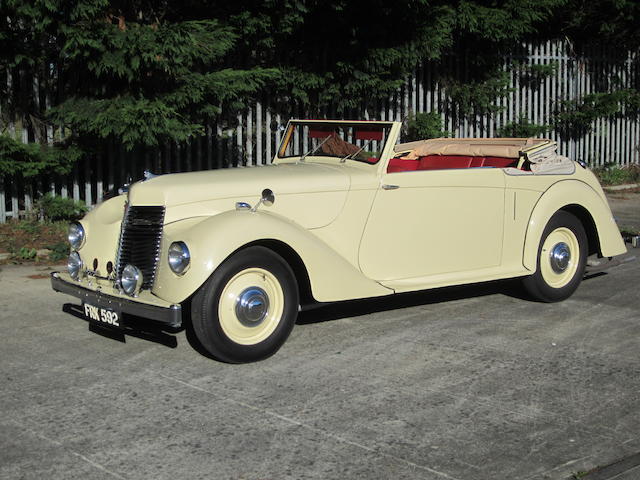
(344, 141)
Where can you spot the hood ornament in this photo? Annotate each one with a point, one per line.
(127, 186)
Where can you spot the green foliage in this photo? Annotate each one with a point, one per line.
(26, 253)
(29, 160)
(149, 72)
(132, 121)
(30, 227)
(169, 77)
(600, 22)
(534, 74)
(522, 129)
(503, 21)
(422, 126)
(57, 208)
(21, 238)
(59, 251)
(477, 97)
(575, 117)
(124, 51)
(612, 174)
(139, 73)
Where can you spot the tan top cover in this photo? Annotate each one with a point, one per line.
(550, 163)
(474, 147)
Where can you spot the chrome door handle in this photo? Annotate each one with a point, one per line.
(390, 187)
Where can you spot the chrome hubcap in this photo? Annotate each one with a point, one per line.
(252, 306)
(560, 257)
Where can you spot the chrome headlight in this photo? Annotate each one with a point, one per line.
(76, 235)
(74, 265)
(179, 257)
(131, 280)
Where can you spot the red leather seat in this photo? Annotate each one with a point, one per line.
(439, 162)
(402, 165)
(500, 162)
(443, 162)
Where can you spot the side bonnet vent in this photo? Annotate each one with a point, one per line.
(140, 242)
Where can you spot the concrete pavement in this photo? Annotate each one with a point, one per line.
(464, 383)
(625, 206)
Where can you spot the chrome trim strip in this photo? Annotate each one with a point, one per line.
(116, 267)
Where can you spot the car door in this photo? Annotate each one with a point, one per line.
(432, 222)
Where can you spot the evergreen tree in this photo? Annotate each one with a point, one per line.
(144, 72)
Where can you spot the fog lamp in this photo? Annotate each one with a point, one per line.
(131, 280)
(74, 265)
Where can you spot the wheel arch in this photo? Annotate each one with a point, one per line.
(581, 200)
(294, 261)
(588, 224)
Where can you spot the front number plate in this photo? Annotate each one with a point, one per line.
(102, 316)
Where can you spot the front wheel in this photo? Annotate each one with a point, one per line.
(247, 308)
(562, 256)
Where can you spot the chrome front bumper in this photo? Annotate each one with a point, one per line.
(171, 316)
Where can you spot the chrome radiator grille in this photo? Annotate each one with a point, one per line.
(140, 241)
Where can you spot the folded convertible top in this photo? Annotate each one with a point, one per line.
(475, 147)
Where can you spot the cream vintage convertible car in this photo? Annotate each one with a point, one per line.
(344, 212)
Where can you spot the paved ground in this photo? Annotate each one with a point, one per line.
(467, 383)
(626, 208)
(470, 383)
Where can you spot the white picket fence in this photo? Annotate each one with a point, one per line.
(255, 139)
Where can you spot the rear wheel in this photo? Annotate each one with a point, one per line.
(562, 257)
(247, 308)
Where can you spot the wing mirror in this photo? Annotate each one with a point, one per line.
(268, 198)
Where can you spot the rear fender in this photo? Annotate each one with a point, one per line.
(213, 239)
(565, 194)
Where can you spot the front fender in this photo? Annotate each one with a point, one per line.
(212, 239)
(563, 194)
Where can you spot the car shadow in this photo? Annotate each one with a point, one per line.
(324, 312)
(315, 313)
(135, 327)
